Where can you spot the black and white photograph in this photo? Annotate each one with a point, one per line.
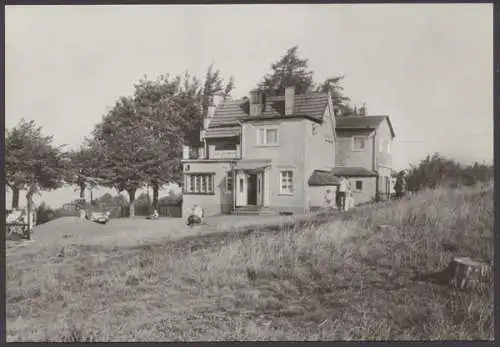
(249, 172)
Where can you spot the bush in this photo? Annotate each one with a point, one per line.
(44, 214)
(437, 171)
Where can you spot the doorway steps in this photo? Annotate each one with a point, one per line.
(254, 210)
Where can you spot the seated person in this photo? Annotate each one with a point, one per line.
(196, 216)
(155, 215)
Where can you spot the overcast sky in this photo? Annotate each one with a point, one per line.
(428, 66)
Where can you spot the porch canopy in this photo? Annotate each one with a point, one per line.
(251, 165)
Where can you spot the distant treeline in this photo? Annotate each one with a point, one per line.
(437, 171)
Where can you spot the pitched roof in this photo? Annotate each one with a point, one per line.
(362, 122)
(228, 131)
(353, 171)
(310, 105)
(230, 112)
(323, 178)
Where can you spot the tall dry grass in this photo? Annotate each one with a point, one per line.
(341, 280)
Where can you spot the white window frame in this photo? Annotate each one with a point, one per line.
(292, 191)
(354, 141)
(264, 138)
(202, 181)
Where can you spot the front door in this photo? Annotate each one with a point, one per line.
(260, 188)
(241, 189)
(252, 189)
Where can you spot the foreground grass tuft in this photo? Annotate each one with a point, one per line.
(350, 278)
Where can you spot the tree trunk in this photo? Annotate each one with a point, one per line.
(465, 273)
(131, 205)
(29, 203)
(156, 190)
(82, 192)
(15, 197)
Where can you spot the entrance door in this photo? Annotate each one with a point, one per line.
(252, 189)
(260, 188)
(241, 189)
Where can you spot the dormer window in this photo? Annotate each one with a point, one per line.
(255, 103)
(255, 98)
(358, 143)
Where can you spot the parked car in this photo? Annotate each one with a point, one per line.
(99, 217)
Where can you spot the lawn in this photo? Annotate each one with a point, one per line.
(340, 280)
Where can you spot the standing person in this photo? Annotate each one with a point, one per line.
(341, 194)
(400, 186)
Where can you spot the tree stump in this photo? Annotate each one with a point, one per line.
(467, 274)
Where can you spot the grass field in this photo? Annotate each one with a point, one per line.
(340, 280)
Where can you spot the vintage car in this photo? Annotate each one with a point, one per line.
(99, 217)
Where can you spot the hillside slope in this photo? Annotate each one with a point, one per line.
(344, 279)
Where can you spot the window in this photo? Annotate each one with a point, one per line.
(359, 186)
(267, 136)
(286, 182)
(201, 183)
(358, 143)
(381, 145)
(388, 147)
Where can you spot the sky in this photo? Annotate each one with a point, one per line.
(428, 66)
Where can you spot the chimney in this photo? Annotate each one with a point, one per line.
(289, 100)
(256, 101)
(362, 110)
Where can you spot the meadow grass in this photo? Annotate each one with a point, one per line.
(346, 279)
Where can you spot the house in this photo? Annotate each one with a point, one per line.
(276, 154)
(364, 155)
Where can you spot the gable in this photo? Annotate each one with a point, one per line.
(362, 122)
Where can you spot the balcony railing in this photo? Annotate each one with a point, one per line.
(199, 153)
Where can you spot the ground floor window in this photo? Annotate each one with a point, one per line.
(359, 186)
(286, 182)
(199, 183)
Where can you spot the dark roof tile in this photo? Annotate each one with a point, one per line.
(353, 171)
(231, 112)
(323, 178)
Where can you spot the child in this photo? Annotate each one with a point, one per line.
(196, 216)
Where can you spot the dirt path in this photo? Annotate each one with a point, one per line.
(136, 231)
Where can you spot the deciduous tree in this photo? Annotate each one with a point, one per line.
(32, 161)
